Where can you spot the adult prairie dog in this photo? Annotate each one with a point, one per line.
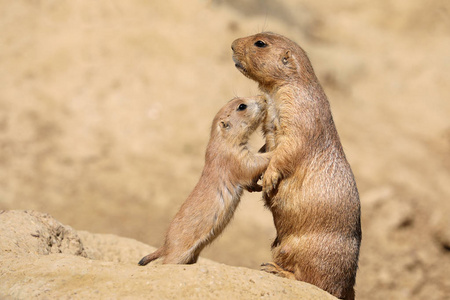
(308, 185)
(229, 169)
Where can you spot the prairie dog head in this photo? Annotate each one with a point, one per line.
(239, 118)
(270, 59)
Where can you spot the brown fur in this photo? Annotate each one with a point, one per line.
(308, 185)
(229, 168)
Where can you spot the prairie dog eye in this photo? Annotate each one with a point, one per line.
(260, 44)
(242, 107)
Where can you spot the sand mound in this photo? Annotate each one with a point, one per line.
(44, 259)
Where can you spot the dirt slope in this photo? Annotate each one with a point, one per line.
(44, 259)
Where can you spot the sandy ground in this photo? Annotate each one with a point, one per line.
(105, 111)
(44, 259)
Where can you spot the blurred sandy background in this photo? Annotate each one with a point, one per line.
(106, 107)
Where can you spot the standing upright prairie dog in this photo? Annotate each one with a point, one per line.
(308, 185)
(229, 168)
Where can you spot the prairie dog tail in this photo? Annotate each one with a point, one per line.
(151, 257)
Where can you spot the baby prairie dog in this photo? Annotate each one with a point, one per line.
(229, 169)
(308, 185)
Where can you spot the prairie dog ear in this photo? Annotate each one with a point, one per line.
(225, 124)
(286, 57)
